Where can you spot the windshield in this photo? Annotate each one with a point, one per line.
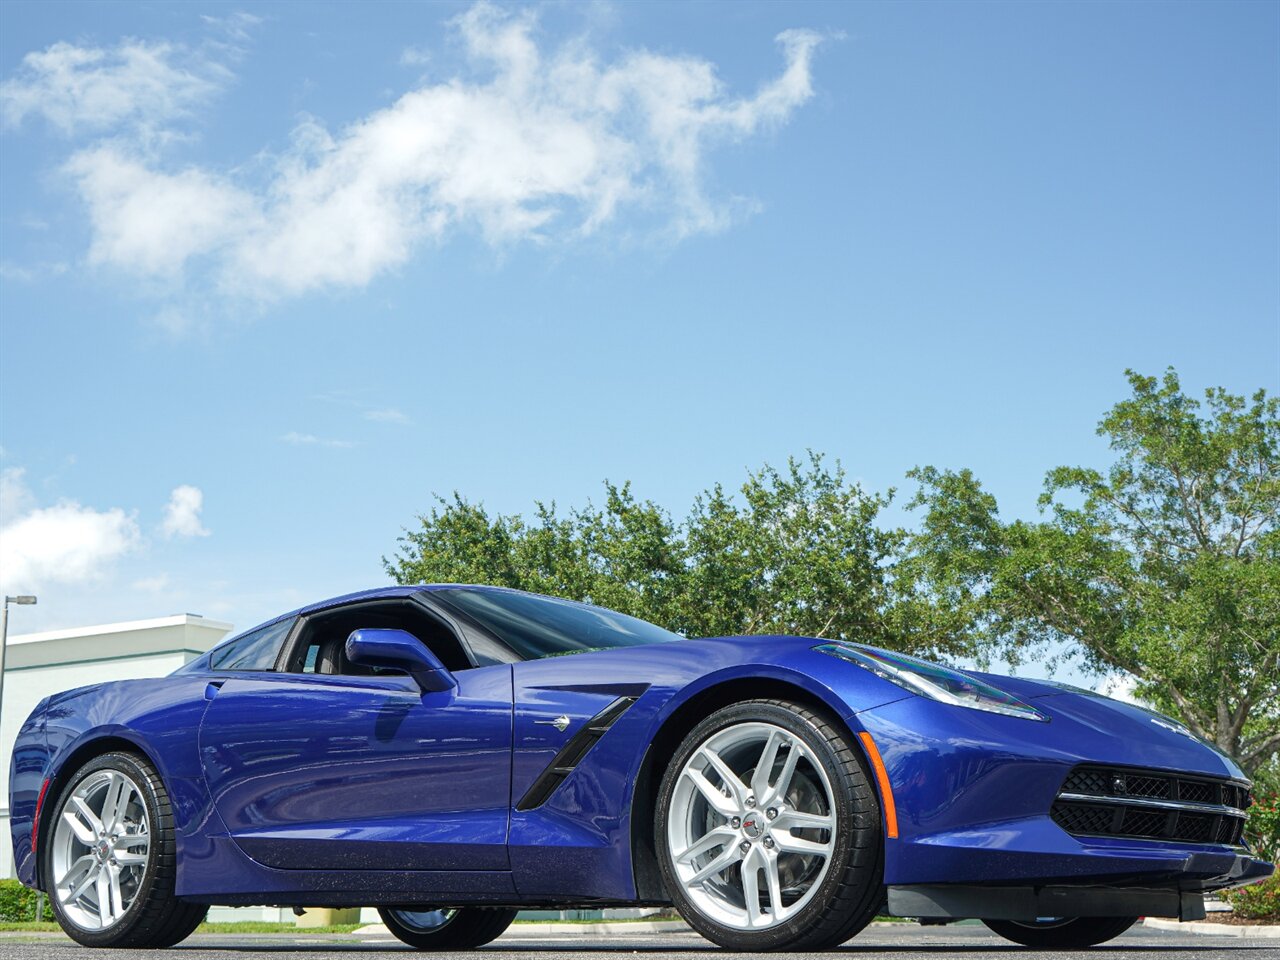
(535, 626)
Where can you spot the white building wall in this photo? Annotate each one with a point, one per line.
(40, 664)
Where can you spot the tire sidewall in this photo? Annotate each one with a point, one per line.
(1073, 934)
(145, 778)
(469, 927)
(844, 812)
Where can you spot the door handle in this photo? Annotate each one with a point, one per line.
(212, 687)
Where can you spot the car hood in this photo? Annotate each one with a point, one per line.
(1165, 742)
(1102, 728)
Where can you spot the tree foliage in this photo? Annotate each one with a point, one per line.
(1166, 567)
(796, 551)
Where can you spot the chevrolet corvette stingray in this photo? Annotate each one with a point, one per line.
(452, 754)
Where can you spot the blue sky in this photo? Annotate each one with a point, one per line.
(271, 274)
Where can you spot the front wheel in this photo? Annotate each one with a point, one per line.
(1062, 933)
(768, 830)
(110, 861)
(439, 928)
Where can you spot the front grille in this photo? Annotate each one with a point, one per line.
(1098, 801)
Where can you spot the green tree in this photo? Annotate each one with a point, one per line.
(1166, 567)
(796, 550)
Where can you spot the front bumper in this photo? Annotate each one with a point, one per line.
(974, 793)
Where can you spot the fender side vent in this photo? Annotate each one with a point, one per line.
(571, 754)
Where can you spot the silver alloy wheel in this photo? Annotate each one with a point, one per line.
(100, 848)
(752, 799)
(424, 921)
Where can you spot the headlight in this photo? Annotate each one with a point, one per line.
(932, 681)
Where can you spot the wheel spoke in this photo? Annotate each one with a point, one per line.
(731, 779)
(104, 898)
(774, 883)
(790, 844)
(764, 767)
(778, 792)
(724, 861)
(117, 902)
(115, 802)
(798, 819)
(751, 887)
(128, 859)
(716, 838)
(78, 878)
(722, 805)
(134, 840)
(84, 823)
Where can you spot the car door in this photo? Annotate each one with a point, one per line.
(355, 772)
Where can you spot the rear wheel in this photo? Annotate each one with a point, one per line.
(1062, 933)
(440, 928)
(768, 830)
(110, 861)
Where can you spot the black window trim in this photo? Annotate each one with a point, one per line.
(292, 652)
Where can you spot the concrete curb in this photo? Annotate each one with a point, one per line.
(1209, 929)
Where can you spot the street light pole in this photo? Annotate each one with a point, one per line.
(4, 638)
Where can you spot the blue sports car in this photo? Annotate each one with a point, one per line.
(451, 754)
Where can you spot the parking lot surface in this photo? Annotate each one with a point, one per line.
(898, 941)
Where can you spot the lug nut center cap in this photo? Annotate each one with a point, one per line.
(753, 824)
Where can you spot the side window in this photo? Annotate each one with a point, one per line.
(255, 650)
(321, 645)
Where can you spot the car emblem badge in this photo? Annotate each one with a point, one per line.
(561, 723)
(751, 828)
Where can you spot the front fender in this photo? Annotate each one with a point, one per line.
(157, 719)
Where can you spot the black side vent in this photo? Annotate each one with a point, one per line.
(571, 754)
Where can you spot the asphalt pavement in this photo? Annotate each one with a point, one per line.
(898, 941)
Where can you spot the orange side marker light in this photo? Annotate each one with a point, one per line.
(882, 778)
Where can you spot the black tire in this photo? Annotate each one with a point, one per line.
(155, 918)
(1065, 934)
(852, 889)
(461, 929)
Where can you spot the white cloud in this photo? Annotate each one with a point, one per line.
(66, 542)
(89, 89)
(388, 415)
(550, 144)
(154, 222)
(182, 513)
(310, 440)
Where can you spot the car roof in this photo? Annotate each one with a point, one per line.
(377, 593)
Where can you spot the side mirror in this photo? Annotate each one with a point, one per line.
(402, 651)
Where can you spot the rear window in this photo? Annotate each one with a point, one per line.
(255, 650)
